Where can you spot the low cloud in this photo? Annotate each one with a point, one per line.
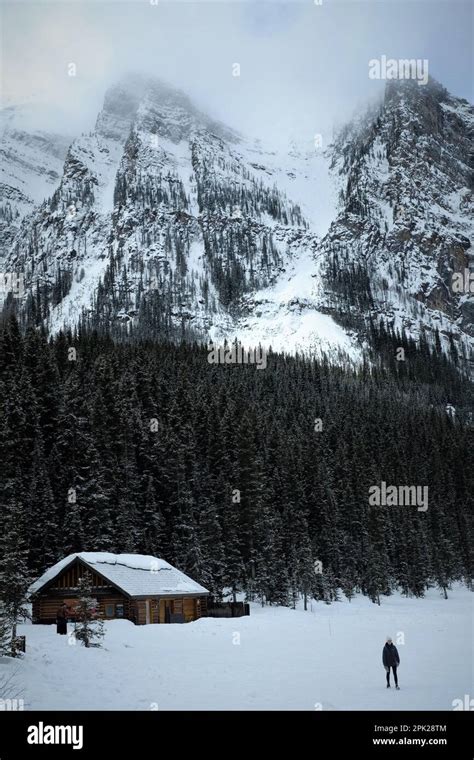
(303, 66)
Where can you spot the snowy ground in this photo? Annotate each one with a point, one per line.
(328, 658)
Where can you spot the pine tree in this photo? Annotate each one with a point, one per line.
(5, 632)
(154, 525)
(233, 576)
(43, 541)
(187, 552)
(271, 576)
(88, 626)
(213, 558)
(15, 577)
(375, 579)
(305, 566)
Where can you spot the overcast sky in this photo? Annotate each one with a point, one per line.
(303, 66)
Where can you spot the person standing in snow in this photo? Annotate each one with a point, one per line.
(391, 659)
(61, 619)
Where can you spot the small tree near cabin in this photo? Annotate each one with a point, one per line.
(89, 625)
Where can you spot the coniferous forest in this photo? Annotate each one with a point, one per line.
(250, 480)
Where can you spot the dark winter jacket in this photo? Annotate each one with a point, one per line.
(390, 656)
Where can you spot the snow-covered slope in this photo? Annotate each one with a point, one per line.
(172, 223)
(31, 166)
(275, 659)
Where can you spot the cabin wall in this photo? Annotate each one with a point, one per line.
(140, 613)
(114, 600)
(192, 608)
(44, 608)
(189, 610)
(159, 610)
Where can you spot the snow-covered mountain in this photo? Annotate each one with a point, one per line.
(407, 208)
(31, 166)
(165, 219)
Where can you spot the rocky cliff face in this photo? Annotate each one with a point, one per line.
(407, 212)
(166, 221)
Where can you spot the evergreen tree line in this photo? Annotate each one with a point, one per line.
(143, 190)
(354, 306)
(240, 257)
(222, 195)
(253, 480)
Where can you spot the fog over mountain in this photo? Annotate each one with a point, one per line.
(303, 66)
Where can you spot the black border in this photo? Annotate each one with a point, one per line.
(149, 734)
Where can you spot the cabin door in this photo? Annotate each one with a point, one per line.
(147, 612)
(165, 610)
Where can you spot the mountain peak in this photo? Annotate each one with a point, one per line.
(155, 106)
(134, 87)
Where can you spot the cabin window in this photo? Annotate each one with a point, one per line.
(119, 610)
(109, 610)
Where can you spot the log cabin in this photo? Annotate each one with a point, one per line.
(134, 587)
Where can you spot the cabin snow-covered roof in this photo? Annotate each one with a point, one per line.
(135, 574)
